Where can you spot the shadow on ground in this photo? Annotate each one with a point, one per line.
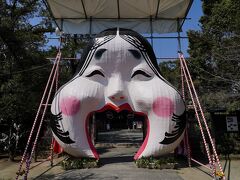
(103, 150)
(83, 176)
(115, 160)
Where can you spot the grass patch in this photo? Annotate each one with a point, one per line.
(156, 163)
(79, 163)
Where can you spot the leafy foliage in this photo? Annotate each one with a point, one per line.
(214, 52)
(79, 163)
(23, 67)
(156, 163)
(228, 144)
(23, 70)
(171, 71)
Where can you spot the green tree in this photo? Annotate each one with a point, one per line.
(23, 66)
(23, 70)
(214, 52)
(171, 72)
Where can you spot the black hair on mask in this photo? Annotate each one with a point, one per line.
(130, 36)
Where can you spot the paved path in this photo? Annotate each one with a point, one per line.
(116, 163)
(121, 137)
(116, 150)
(117, 168)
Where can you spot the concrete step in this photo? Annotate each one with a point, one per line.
(109, 145)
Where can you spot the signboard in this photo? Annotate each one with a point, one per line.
(232, 123)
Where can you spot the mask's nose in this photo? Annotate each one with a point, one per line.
(116, 90)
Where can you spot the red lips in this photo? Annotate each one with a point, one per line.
(110, 106)
(122, 107)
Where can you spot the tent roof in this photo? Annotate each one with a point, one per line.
(143, 16)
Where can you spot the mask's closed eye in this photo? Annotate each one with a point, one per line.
(135, 53)
(99, 53)
(140, 72)
(95, 72)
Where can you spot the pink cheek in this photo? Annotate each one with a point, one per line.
(70, 106)
(163, 107)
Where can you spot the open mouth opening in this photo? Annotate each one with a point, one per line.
(117, 131)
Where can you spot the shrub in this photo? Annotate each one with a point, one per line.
(82, 163)
(157, 163)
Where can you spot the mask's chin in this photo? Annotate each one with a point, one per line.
(117, 109)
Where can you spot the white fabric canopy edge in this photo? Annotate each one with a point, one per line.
(72, 16)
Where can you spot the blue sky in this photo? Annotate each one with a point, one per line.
(165, 48)
(169, 47)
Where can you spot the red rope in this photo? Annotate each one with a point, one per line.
(214, 166)
(194, 160)
(182, 78)
(43, 115)
(36, 117)
(186, 142)
(51, 152)
(188, 148)
(57, 79)
(202, 114)
(196, 112)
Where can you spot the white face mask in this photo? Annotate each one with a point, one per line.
(118, 76)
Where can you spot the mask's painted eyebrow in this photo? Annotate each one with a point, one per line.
(99, 53)
(135, 53)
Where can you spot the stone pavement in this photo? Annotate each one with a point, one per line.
(124, 136)
(116, 169)
(116, 163)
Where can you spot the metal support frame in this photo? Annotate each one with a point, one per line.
(118, 7)
(95, 18)
(90, 26)
(151, 31)
(178, 37)
(201, 120)
(90, 19)
(148, 37)
(157, 9)
(84, 9)
(40, 115)
(182, 19)
(186, 77)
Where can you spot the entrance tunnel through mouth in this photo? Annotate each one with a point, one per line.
(111, 131)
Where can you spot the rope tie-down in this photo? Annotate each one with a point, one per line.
(39, 118)
(197, 107)
(185, 140)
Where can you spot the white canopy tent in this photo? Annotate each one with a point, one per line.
(142, 16)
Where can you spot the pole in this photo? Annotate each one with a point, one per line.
(196, 111)
(193, 91)
(37, 115)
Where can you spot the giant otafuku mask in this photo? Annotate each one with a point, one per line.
(118, 71)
